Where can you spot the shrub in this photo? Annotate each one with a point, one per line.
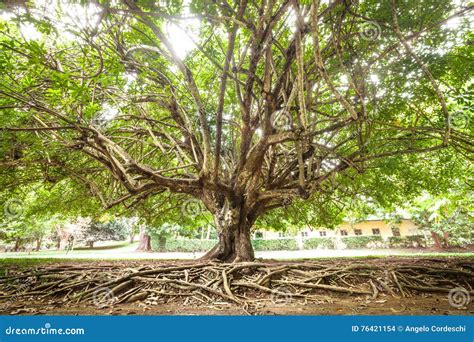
(182, 245)
(460, 242)
(197, 245)
(355, 242)
(416, 241)
(275, 245)
(407, 241)
(318, 243)
(396, 242)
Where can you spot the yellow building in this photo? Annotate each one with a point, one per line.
(371, 227)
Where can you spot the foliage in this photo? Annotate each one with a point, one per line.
(198, 245)
(181, 245)
(409, 241)
(27, 218)
(166, 216)
(355, 242)
(450, 213)
(98, 98)
(113, 230)
(163, 232)
(319, 243)
(284, 244)
(290, 244)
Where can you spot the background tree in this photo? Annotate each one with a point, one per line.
(26, 220)
(110, 230)
(449, 217)
(274, 104)
(164, 216)
(163, 232)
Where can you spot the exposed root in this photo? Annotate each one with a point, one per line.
(248, 285)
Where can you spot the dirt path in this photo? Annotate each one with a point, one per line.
(433, 304)
(359, 275)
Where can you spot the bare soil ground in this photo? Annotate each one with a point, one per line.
(379, 286)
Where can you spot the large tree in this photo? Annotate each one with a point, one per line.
(245, 106)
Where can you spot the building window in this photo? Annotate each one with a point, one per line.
(258, 235)
(344, 232)
(322, 233)
(375, 231)
(304, 234)
(396, 231)
(358, 231)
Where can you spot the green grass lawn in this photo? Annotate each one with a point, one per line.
(109, 246)
(34, 261)
(116, 251)
(114, 248)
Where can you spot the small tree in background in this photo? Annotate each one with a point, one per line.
(163, 232)
(165, 216)
(72, 231)
(449, 218)
(24, 221)
(113, 230)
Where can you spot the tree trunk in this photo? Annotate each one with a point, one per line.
(132, 237)
(17, 245)
(436, 240)
(91, 244)
(234, 238)
(145, 241)
(446, 239)
(38, 244)
(58, 243)
(162, 243)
